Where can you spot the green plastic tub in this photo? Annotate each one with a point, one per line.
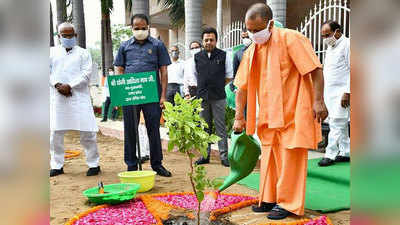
(114, 193)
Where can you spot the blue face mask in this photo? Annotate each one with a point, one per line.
(68, 42)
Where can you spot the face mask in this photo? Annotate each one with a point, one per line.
(194, 51)
(140, 34)
(68, 42)
(247, 41)
(111, 73)
(174, 54)
(262, 36)
(330, 41)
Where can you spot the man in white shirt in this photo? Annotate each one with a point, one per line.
(190, 81)
(337, 93)
(70, 104)
(212, 68)
(175, 74)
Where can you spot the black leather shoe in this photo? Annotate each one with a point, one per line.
(326, 162)
(132, 168)
(161, 171)
(342, 159)
(278, 213)
(202, 161)
(56, 172)
(93, 171)
(103, 120)
(264, 207)
(225, 162)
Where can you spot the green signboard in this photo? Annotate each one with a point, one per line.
(133, 88)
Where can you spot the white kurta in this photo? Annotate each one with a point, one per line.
(176, 72)
(337, 77)
(189, 78)
(73, 68)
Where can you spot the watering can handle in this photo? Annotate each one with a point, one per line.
(236, 152)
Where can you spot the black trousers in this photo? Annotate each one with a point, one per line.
(107, 104)
(172, 89)
(152, 115)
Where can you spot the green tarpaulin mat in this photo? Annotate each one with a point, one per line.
(327, 190)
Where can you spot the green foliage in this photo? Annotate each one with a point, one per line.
(176, 10)
(202, 182)
(120, 33)
(187, 133)
(186, 127)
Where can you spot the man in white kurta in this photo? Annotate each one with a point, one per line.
(70, 104)
(337, 93)
(189, 79)
(175, 75)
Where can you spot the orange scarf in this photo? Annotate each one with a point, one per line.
(271, 78)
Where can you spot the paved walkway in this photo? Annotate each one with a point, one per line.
(116, 129)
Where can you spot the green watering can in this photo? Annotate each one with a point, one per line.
(243, 156)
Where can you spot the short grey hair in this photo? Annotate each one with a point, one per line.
(259, 10)
(65, 25)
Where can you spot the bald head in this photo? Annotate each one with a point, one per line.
(65, 25)
(258, 16)
(259, 10)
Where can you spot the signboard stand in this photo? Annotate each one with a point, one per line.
(134, 89)
(136, 125)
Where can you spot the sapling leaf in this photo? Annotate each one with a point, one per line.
(200, 196)
(171, 145)
(168, 106)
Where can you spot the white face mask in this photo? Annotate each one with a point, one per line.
(262, 36)
(247, 41)
(194, 51)
(330, 41)
(111, 73)
(140, 34)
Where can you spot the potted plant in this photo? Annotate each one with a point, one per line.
(187, 133)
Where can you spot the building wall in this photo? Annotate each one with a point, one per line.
(210, 13)
(239, 8)
(297, 10)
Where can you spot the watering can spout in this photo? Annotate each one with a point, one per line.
(243, 156)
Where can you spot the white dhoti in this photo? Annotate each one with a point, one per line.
(74, 112)
(338, 138)
(337, 83)
(88, 142)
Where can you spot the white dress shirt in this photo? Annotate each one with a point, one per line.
(191, 72)
(337, 77)
(73, 68)
(176, 72)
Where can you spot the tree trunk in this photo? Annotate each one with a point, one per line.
(106, 46)
(140, 6)
(219, 22)
(51, 27)
(79, 22)
(61, 11)
(193, 22)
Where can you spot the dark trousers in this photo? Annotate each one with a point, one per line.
(214, 110)
(172, 89)
(152, 115)
(107, 104)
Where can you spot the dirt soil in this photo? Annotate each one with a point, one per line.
(66, 199)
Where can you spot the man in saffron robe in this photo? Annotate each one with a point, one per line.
(281, 72)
